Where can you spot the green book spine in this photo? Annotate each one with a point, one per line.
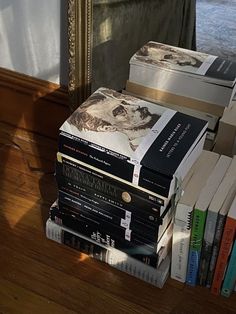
(199, 218)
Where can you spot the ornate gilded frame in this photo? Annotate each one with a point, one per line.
(80, 50)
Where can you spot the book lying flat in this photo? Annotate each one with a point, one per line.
(111, 256)
(185, 62)
(141, 142)
(184, 72)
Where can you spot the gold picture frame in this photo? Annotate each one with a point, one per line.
(104, 34)
(80, 49)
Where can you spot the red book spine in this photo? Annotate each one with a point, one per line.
(225, 248)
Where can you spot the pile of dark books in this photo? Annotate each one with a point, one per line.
(119, 164)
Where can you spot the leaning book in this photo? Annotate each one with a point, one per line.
(141, 142)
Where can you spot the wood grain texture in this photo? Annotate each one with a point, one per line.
(40, 276)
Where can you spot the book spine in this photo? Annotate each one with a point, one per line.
(224, 252)
(198, 225)
(147, 213)
(215, 248)
(230, 275)
(207, 245)
(113, 257)
(123, 219)
(180, 242)
(110, 236)
(108, 187)
(119, 166)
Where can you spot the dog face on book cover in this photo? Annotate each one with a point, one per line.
(109, 111)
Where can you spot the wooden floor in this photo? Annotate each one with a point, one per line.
(40, 276)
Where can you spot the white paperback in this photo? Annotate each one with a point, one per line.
(183, 214)
(109, 255)
(184, 72)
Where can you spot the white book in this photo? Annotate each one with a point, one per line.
(183, 214)
(109, 255)
(184, 72)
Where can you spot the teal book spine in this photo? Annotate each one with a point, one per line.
(230, 275)
(199, 218)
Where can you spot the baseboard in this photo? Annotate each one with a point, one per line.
(32, 104)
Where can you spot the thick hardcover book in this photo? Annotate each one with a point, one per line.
(140, 142)
(217, 203)
(184, 214)
(225, 248)
(199, 217)
(113, 236)
(230, 275)
(111, 256)
(76, 175)
(115, 215)
(193, 64)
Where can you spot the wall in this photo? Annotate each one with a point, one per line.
(33, 38)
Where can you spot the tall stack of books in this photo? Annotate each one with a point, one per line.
(192, 82)
(204, 233)
(119, 164)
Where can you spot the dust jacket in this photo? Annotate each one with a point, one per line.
(146, 144)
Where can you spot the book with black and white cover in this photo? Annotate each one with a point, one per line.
(141, 142)
(184, 72)
(111, 256)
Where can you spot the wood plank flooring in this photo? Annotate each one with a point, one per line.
(39, 276)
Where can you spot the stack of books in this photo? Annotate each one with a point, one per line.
(120, 163)
(177, 73)
(203, 248)
(191, 82)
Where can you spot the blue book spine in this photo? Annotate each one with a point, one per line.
(230, 275)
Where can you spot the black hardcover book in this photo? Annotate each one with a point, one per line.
(143, 143)
(123, 219)
(94, 179)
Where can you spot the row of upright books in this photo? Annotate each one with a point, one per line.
(204, 233)
(126, 165)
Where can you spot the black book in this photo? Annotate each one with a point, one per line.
(115, 215)
(113, 236)
(148, 145)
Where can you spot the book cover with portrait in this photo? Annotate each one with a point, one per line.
(211, 68)
(131, 138)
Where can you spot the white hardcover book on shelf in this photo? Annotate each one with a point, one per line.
(184, 72)
(183, 215)
(138, 141)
